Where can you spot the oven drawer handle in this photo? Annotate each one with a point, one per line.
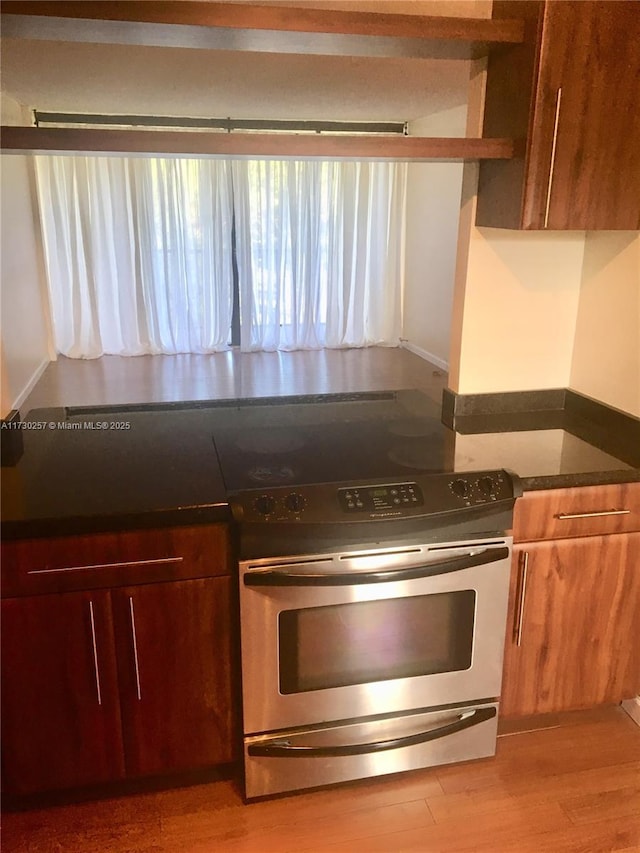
(284, 749)
(275, 577)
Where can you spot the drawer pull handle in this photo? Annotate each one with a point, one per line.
(135, 648)
(95, 652)
(157, 561)
(522, 592)
(552, 164)
(564, 516)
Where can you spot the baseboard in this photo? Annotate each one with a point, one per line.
(427, 356)
(28, 388)
(632, 707)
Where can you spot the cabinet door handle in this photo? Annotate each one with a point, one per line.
(522, 592)
(135, 647)
(552, 165)
(563, 516)
(95, 652)
(158, 561)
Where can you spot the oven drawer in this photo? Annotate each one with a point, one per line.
(583, 511)
(325, 755)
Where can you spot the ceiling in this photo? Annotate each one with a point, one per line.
(111, 79)
(72, 76)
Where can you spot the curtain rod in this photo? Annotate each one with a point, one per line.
(226, 124)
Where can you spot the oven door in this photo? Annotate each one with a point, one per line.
(345, 636)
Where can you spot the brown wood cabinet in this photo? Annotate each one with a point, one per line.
(573, 634)
(582, 511)
(571, 91)
(174, 662)
(60, 714)
(117, 682)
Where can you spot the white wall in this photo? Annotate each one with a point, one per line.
(606, 354)
(23, 323)
(520, 310)
(537, 310)
(433, 209)
(516, 295)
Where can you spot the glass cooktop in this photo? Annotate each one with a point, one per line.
(331, 438)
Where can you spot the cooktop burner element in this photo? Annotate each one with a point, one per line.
(272, 475)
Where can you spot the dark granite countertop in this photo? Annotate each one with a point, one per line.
(87, 471)
(552, 449)
(90, 470)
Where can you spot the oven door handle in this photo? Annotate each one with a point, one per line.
(285, 749)
(279, 577)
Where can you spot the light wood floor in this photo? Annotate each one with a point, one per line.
(115, 380)
(574, 788)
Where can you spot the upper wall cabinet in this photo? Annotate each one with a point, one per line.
(572, 90)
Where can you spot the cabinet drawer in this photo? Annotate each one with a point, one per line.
(583, 511)
(59, 564)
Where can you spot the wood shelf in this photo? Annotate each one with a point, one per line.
(227, 26)
(433, 37)
(33, 140)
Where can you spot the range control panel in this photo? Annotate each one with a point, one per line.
(380, 497)
(326, 503)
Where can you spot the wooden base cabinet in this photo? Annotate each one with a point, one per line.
(573, 637)
(60, 712)
(174, 654)
(104, 684)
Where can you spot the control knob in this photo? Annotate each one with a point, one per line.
(265, 504)
(486, 485)
(460, 488)
(294, 502)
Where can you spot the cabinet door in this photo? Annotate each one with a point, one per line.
(584, 155)
(174, 666)
(571, 90)
(60, 711)
(573, 638)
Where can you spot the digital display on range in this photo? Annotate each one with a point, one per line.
(395, 497)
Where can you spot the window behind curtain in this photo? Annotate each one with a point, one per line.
(140, 253)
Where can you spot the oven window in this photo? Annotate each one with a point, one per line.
(339, 645)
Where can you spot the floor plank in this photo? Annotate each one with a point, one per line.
(117, 380)
(573, 788)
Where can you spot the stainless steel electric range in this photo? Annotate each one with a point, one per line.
(373, 588)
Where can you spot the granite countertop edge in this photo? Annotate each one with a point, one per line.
(77, 525)
(587, 478)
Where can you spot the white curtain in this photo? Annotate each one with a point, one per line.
(320, 253)
(140, 257)
(138, 254)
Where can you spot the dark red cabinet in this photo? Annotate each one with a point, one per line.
(60, 711)
(174, 661)
(103, 684)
